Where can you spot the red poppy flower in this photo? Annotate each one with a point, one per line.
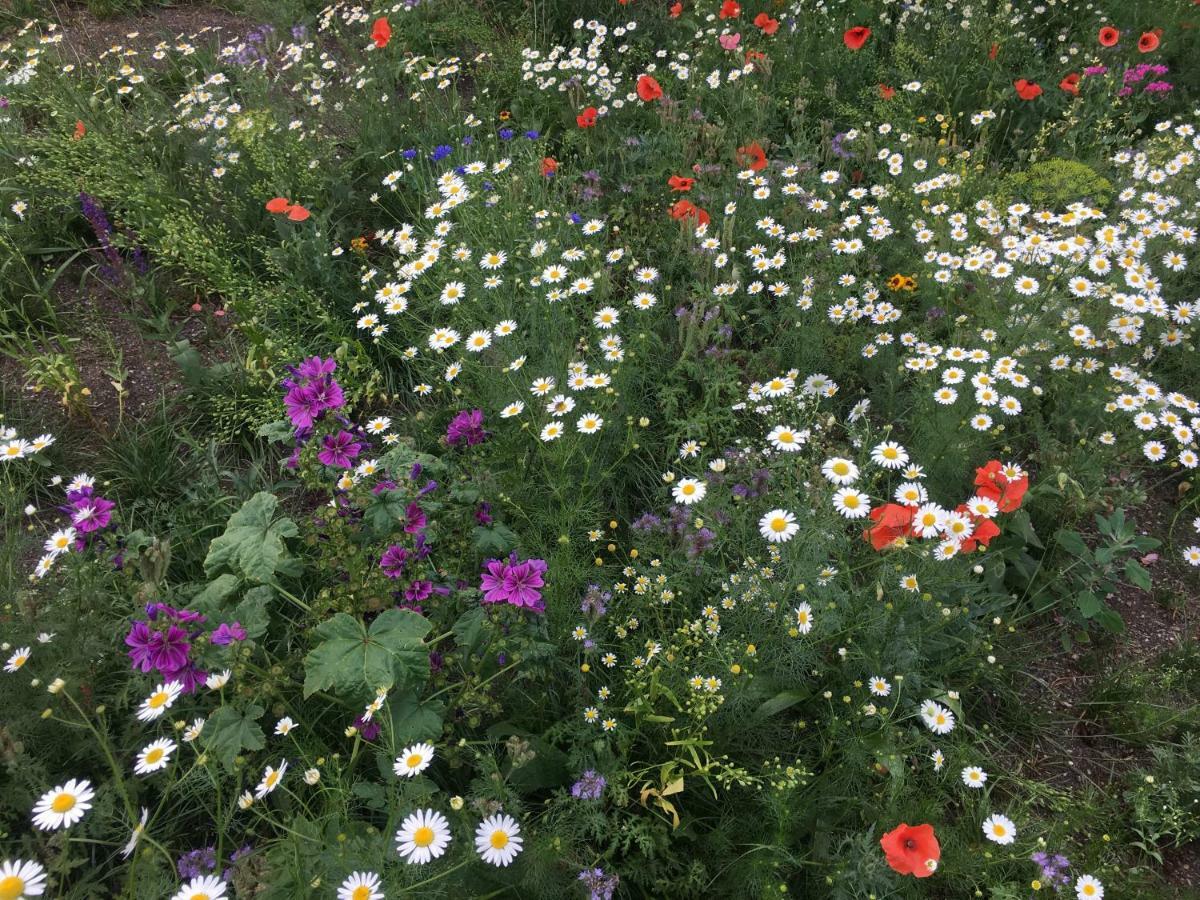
(80, 130)
(1027, 90)
(1070, 84)
(752, 157)
(1149, 41)
(587, 118)
(278, 205)
(887, 93)
(686, 209)
(676, 10)
(766, 24)
(549, 166)
(993, 51)
(730, 9)
(381, 32)
(298, 213)
(680, 183)
(892, 521)
(984, 531)
(755, 55)
(648, 88)
(855, 37)
(990, 481)
(912, 849)
(1109, 36)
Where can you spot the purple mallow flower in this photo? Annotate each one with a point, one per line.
(339, 450)
(466, 427)
(514, 582)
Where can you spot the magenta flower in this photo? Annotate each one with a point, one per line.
(466, 427)
(393, 561)
(514, 582)
(339, 450)
(91, 513)
(414, 518)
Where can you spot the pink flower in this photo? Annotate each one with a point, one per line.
(730, 41)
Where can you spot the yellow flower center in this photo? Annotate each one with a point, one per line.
(199, 895)
(840, 468)
(362, 892)
(423, 836)
(158, 699)
(889, 453)
(779, 523)
(498, 840)
(689, 489)
(63, 803)
(12, 887)
(999, 830)
(413, 760)
(154, 755)
(271, 779)
(851, 501)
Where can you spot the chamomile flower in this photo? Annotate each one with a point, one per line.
(778, 526)
(498, 839)
(422, 837)
(63, 806)
(202, 887)
(271, 778)
(1088, 887)
(160, 701)
(360, 886)
(974, 777)
(17, 660)
(155, 756)
(999, 829)
(414, 760)
(20, 878)
(879, 686)
(839, 471)
(689, 491)
(786, 438)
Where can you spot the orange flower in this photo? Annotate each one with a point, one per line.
(892, 521)
(855, 37)
(587, 118)
(1149, 41)
(1027, 90)
(686, 209)
(912, 849)
(752, 157)
(676, 10)
(381, 32)
(549, 166)
(990, 481)
(887, 93)
(1109, 36)
(766, 24)
(648, 88)
(278, 205)
(993, 51)
(680, 183)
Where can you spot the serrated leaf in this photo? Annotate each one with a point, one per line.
(1089, 604)
(215, 592)
(495, 540)
(413, 720)
(229, 731)
(253, 542)
(1137, 575)
(468, 628)
(352, 659)
(1071, 542)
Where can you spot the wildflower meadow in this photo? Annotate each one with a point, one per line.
(599, 449)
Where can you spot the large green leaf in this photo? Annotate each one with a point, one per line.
(253, 542)
(229, 731)
(352, 659)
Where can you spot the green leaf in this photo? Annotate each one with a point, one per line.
(352, 659)
(216, 592)
(468, 628)
(781, 701)
(229, 731)
(1071, 542)
(413, 720)
(1089, 604)
(495, 540)
(1137, 575)
(1023, 526)
(253, 542)
(385, 510)
(252, 611)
